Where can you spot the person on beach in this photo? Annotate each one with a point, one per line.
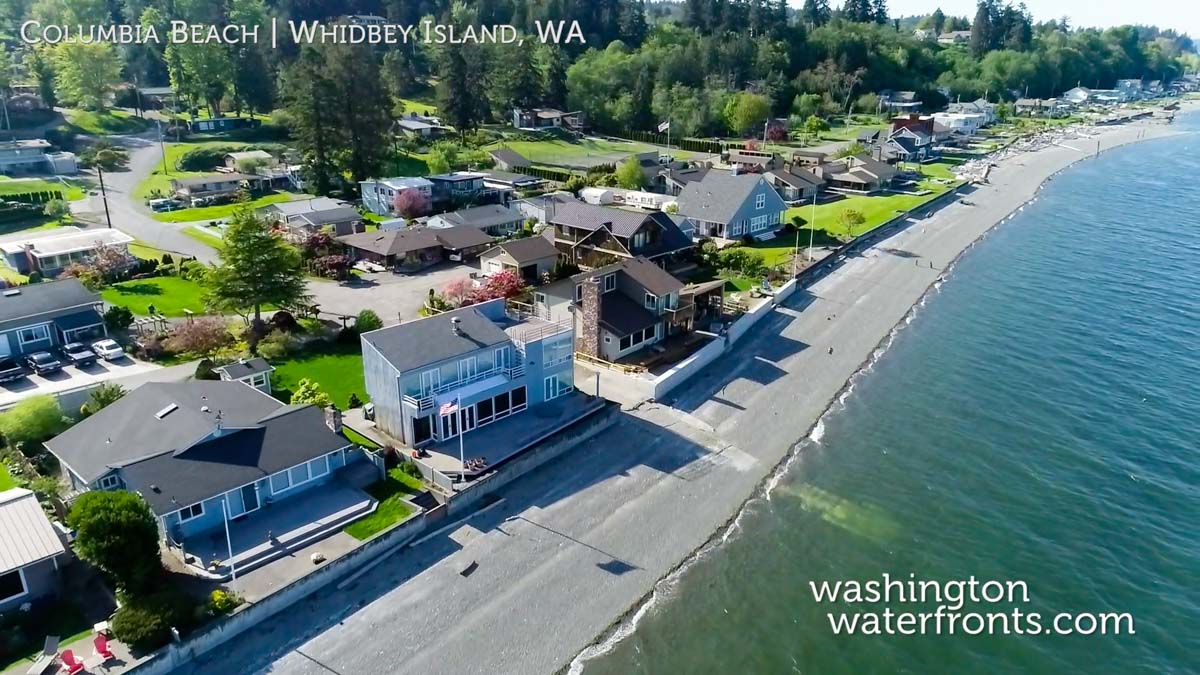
(831, 350)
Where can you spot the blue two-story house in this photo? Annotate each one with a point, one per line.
(732, 205)
(42, 316)
(449, 374)
(203, 453)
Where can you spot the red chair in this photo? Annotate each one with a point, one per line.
(100, 643)
(70, 664)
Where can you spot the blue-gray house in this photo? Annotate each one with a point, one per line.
(203, 453)
(732, 205)
(436, 377)
(40, 316)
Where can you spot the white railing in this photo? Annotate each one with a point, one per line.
(542, 331)
(425, 400)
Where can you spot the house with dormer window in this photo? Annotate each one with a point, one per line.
(592, 236)
(732, 205)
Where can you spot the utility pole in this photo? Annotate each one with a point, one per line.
(163, 147)
(812, 226)
(104, 196)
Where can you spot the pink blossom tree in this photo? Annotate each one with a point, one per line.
(503, 284)
(411, 203)
(458, 292)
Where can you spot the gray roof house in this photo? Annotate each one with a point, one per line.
(795, 183)
(495, 219)
(618, 309)
(530, 258)
(457, 372)
(255, 372)
(417, 247)
(31, 553)
(41, 316)
(587, 234)
(203, 452)
(732, 205)
(508, 159)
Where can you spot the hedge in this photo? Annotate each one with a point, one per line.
(689, 144)
(560, 175)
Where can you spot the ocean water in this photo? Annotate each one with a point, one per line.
(1038, 421)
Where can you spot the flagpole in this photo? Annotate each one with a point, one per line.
(462, 461)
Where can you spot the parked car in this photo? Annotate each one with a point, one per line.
(108, 349)
(10, 369)
(79, 354)
(43, 363)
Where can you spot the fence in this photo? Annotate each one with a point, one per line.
(689, 144)
(560, 175)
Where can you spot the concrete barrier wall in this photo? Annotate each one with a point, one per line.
(246, 617)
(688, 367)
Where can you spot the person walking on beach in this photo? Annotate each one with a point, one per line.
(831, 351)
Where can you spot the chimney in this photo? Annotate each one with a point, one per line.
(333, 419)
(454, 325)
(589, 318)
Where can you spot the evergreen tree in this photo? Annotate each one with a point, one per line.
(938, 21)
(257, 268)
(554, 76)
(879, 11)
(981, 31)
(361, 116)
(310, 102)
(633, 22)
(815, 13)
(643, 97)
(458, 91)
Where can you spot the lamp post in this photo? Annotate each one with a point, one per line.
(812, 226)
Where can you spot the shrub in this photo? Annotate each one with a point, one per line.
(276, 345)
(192, 270)
(204, 370)
(118, 318)
(222, 601)
(167, 259)
(116, 532)
(145, 622)
(35, 277)
(201, 337)
(285, 321)
(151, 349)
(366, 321)
(354, 401)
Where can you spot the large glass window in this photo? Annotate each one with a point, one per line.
(318, 467)
(501, 403)
(11, 585)
(518, 399)
(280, 482)
(34, 334)
(484, 410)
(190, 512)
(298, 474)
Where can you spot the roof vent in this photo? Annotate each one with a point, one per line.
(166, 411)
(454, 325)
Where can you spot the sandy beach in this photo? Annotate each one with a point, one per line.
(581, 547)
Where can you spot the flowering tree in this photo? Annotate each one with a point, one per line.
(201, 337)
(411, 204)
(316, 245)
(777, 132)
(503, 284)
(458, 292)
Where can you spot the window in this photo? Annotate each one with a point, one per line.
(109, 482)
(318, 467)
(298, 474)
(651, 301)
(578, 292)
(608, 339)
(12, 584)
(518, 399)
(626, 342)
(467, 368)
(422, 429)
(501, 403)
(498, 360)
(484, 411)
(539, 298)
(610, 282)
(280, 482)
(34, 334)
(191, 512)
(760, 202)
(556, 385)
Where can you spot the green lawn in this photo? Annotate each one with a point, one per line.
(71, 191)
(140, 249)
(223, 210)
(205, 235)
(12, 276)
(6, 479)
(169, 295)
(105, 122)
(419, 107)
(358, 438)
(559, 151)
(391, 493)
(64, 620)
(338, 371)
(160, 181)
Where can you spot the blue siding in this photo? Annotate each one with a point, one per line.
(773, 208)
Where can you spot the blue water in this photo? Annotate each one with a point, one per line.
(1038, 421)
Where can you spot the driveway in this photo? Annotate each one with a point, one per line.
(128, 212)
(72, 378)
(394, 297)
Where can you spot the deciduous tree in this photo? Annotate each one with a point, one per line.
(116, 532)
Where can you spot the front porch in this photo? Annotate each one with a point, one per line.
(278, 528)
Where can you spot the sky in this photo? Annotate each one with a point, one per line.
(1182, 15)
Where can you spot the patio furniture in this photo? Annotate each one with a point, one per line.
(102, 650)
(70, 664)
(102, 628)
(46, 658)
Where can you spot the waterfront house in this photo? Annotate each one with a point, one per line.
(530, 258)
(32, 554)
(618, 309)
(732, 205)
(795, 183)
(459, 186)
(591, 236)
(204, 454)
(753, 161)
(674, 180)
(416, 247)
(541, 208)
(504, 183)
(1077, 95)
(379, 194)
(54, 251)
(43, 316)
(495, 219)
(434, 378)
(979, 106)
(857, 174)
(23, 157)
(966, 123)
(899, 101)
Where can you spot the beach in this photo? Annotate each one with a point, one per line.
(578, 547)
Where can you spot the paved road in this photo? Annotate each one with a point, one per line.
(584, 539)
(393, 297)
(128, 212)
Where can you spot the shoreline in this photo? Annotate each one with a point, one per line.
(626, 625)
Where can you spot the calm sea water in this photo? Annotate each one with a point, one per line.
(1039, 421)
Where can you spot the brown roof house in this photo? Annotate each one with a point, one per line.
(619, 309)
(860, 174)
(587, 234)
(416, 247)
(531, 258)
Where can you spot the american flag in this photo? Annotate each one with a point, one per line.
(663, 126)
(448, 408)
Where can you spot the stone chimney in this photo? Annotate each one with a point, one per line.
(333, 419)
(589, 318)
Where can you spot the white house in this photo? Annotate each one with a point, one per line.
(379, 194)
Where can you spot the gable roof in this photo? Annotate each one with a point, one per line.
(392, 242)
(509, 157)
(250, 154)
(873, 166)
(432, 339)
(797, 177)
(25, 530)
(591, 217)
(641, 271)
(488, 215)
(237, 456)
(156, 417)
(301, 206)
(462, 236)
(341, 214)
(19, 305)
(245, 368)
(718, 196)
(528, 249)
(684, 175)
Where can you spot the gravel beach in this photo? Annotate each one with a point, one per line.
(578, 546)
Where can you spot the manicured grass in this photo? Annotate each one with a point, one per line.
(391, 493)
(6, 479)
(405, 164)
(875, 209)
(338, 371)
(419, 107)
(140, 249)
(559, 151)
(209, 235)
(12, 276)
(847, 133)
(71, 191)
(160, 180)
(358, 438)
(223, 210)
(169, 295)
(105, 122)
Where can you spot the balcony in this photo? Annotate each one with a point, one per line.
(426, 401)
